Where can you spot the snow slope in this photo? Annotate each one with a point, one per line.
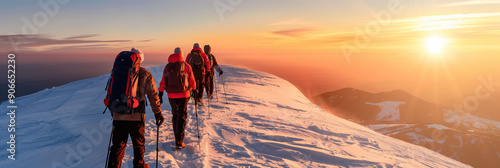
(262, 121)
(389, 112)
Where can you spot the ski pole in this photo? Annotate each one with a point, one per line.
(109, 146)
(157, 139)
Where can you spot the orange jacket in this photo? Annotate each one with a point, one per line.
(205, 58)
(176, 58)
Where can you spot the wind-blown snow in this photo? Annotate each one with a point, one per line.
(378, 127)
(437, 126)
(390, 129)
(389, 112)
(264, 122)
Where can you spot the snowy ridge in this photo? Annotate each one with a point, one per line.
(265, 122)
(471, 121)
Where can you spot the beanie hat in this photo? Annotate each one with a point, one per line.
(136, 50)
(196, 45)
(178, 51)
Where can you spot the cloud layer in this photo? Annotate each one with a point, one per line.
(36, 42)
(473, 2)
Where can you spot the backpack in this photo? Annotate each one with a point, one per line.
(207, 50)
(176, 77)
(122, 85)
(211, 59)
(197, 64)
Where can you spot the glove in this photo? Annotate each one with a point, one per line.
(159, 119)
(160, 95)
(220, 72)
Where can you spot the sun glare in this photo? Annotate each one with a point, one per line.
(435, 45)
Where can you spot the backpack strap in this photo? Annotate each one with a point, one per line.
(108, 83)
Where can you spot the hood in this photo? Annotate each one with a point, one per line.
(175, 58)
(207, 49)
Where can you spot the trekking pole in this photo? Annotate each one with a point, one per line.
(197, 126)
(109, 146)
(208, 107)
(157, 139)
(209, 96)
(224, 87)
(216, 92)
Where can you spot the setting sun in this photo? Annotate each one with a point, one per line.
(435, 44)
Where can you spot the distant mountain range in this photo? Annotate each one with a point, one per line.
(462, 136)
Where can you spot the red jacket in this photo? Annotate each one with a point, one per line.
(205, 58)
(176, 58)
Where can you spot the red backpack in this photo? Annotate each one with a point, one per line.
(122, 85)
(197, 64)
(176, 77)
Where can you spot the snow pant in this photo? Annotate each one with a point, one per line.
(209, 84)
(200, 83)
(179, 112)
(120, 136)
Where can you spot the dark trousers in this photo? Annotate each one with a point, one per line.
(179, 112)
(209, 84)
(200, 83)
(121, 131)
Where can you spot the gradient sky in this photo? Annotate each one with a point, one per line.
(301, 41)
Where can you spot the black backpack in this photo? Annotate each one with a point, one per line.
(207, 50)
(176, 77)
(197, 64)
(122, 85)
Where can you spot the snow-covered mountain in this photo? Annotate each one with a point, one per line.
(260, 121)
(464, 137)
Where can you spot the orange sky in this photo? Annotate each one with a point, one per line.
(319, 46)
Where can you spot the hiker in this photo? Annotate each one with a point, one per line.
(132, 123)
(178, 80)
(199, 62)
(209, 77)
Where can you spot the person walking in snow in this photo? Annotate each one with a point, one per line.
(199, 63)
(178, 80)
(209, 77)
(133, 124)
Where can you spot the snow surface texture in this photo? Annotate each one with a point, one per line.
(264, 122)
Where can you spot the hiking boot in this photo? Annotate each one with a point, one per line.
(180, 145)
